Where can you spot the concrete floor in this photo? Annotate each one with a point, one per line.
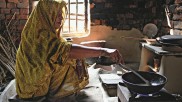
(94, 91)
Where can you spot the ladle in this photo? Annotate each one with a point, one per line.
(147, 83)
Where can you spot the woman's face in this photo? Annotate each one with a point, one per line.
(58, 21)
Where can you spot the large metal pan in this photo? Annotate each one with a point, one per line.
(170, 40)
(135, 84)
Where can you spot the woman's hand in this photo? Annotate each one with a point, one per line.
(114, 54)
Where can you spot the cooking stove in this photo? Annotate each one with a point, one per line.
(124, 95)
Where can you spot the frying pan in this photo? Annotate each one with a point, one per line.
(135, 84)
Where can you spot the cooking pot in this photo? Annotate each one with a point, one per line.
(135, 84)
(170, 40)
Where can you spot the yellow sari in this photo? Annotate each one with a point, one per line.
(42, 64)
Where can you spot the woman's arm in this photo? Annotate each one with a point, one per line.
(80, 51)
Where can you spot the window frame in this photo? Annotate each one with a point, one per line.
(86, 16)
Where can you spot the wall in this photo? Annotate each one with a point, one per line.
(14, 12)
(128, 14)
(117, 14)
(128, 47)
(174, 14)
(110, 19)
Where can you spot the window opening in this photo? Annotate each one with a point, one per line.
(77, 22)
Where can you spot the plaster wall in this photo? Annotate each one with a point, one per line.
(114, 39)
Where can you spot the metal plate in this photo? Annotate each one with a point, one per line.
(150, 30)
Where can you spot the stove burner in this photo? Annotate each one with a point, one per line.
(157, 96)
(128, 96)
(144, 95)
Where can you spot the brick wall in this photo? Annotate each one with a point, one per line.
(118, 14)
(14, 13)
(174, 14)
(128, 14)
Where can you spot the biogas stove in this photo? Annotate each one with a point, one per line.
(124, 95)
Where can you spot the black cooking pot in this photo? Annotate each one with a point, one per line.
(170, 40)
(135, 84)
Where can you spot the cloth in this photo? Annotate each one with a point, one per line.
(42, 64)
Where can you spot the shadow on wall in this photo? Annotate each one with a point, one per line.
(114, 39)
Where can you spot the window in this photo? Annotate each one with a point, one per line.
(77, 23)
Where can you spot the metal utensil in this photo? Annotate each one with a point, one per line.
(147, 83)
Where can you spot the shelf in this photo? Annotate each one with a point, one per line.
(158, 50)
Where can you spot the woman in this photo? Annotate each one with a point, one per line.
(46, 64)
